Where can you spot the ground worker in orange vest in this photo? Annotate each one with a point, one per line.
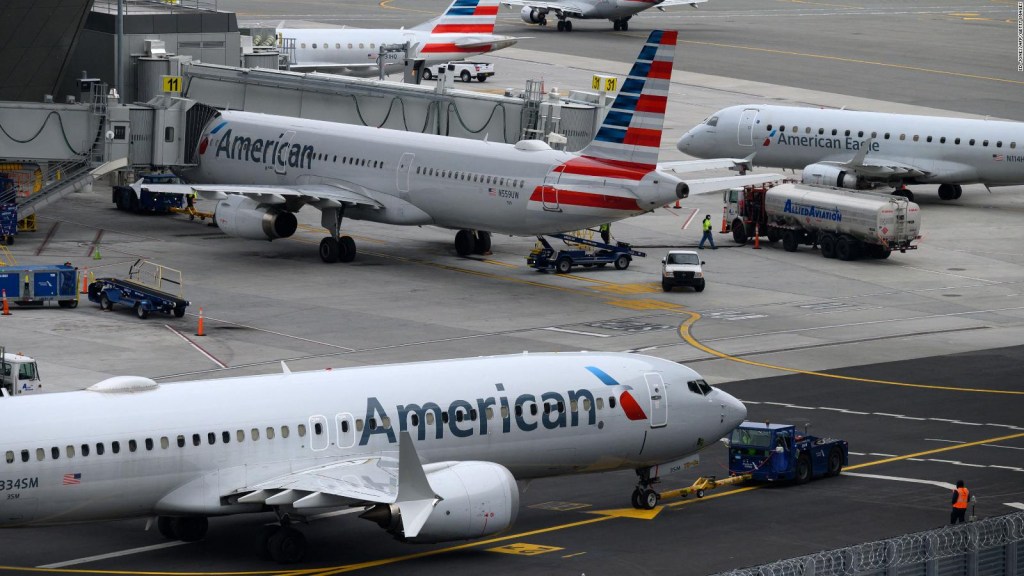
(960, 498)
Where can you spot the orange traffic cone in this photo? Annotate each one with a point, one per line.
(757, 237)
(199, 330)
(725, 225)
(677, 206)
(85, 280)
(7, 311)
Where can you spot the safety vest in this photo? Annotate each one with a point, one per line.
(707, 225)
(605, 227)
(961, 498)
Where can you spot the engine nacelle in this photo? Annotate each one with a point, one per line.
(532, 15)
(478, 499)
(829, 175)
(242, 217)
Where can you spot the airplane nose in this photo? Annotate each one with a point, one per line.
(685, 143)
(733, 411)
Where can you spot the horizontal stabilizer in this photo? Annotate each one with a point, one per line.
(706, 185)
(685, 166)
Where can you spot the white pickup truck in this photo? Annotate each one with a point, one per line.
(465, 71)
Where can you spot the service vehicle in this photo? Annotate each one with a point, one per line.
(771, 452)
(147, 289)
(465, 71)
(139, 199)
(19, 374)
(581, 252)
(39, 284)
(682, 268)
(846, 224)
(8, 210)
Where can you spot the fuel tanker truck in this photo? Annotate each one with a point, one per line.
(846, 224)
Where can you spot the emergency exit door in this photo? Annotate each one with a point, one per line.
(745, 131)
(659, 399)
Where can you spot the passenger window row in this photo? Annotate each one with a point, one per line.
(470, 177)
(181, 440)
(888, 135)
(337, 45)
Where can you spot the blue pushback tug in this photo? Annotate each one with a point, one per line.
(770, 452)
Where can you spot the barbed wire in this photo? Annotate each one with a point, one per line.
(900, 551)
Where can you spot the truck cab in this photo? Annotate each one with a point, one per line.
(771, 452)
(682, 268)
(18, 374)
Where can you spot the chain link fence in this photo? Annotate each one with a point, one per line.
(989, 547)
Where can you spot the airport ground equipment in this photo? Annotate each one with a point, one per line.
(465, 71)
(770, 452)
(144, 201)
(147, 289)
(38, 284)
(8, 210)
(846, 224)
(682, 268)
(19, 374)
(546, 258)
(763, 452)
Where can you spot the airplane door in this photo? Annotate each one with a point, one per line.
(281, 161)
(745, 129)
(319, 436)
(549, 192)
(659, 399)
(346, 430)
(402, 176)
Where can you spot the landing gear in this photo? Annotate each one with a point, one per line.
(282, 543)
(564, 25)
(950, 191)
(472, 242)
(621, 24)
(336, 248)
(184, 528)
(904, 192)
(644, 496)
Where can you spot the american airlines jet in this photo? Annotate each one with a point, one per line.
(431, 451)
(618, 11)
(866, 149)
(261, 169)
(466, 29)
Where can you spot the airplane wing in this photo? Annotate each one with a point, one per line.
(706, 185)
(351, 67)
(879, 168)
(567, 8)
(669, 3)
(320, 195)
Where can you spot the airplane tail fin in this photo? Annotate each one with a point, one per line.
(464, 17)
(631, 131)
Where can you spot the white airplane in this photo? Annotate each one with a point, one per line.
(430, 450)
(618, 11)
(466, 29)
(263, 168)
(866, 149)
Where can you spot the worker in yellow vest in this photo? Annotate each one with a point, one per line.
(706, 224)
(960, 498)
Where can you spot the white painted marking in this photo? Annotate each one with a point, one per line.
(580, 332)
(944, 420)
(944, 440)
(833, 409)
(1010, 426)
(1013, 468)
(1006, 447)
(910, 418)
(953, 275)
(962, 423)
(881, 454)
(113, 555)
(198, 348)
(689, 219)
(855, 412)
(1018, 505)
(851, 453)
(887, 414)
(945, 485)
(945, 461)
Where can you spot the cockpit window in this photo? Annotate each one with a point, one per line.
(699, 387)
(713, 121)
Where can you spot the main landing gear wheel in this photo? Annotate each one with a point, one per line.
(465, 242)
(282, 544)
(950, 191)
(329, 250)
(904, 192)
(347, 249)
(482, 244)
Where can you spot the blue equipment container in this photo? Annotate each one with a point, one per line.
(39, 284)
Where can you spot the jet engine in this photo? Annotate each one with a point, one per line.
(242, 217)
(830, 175)
(532, 15)
(477, 499)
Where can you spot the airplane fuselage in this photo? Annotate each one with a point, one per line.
(616, 9)
(950, 150)
(182, 448)
(523, 189)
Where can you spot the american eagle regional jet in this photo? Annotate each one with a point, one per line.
(853, 149)
(466, 29)
(618, 11)
(431, 451)
(261, 169)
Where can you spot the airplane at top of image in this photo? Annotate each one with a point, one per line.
(430, 451)
(854, 149)
(261, 169)
(464, 30)
(619, 12)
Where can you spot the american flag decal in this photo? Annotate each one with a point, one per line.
(73, 479)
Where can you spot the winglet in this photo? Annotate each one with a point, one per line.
(858, 158)
(415, 498)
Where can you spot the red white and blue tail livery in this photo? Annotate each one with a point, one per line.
(262, 169)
